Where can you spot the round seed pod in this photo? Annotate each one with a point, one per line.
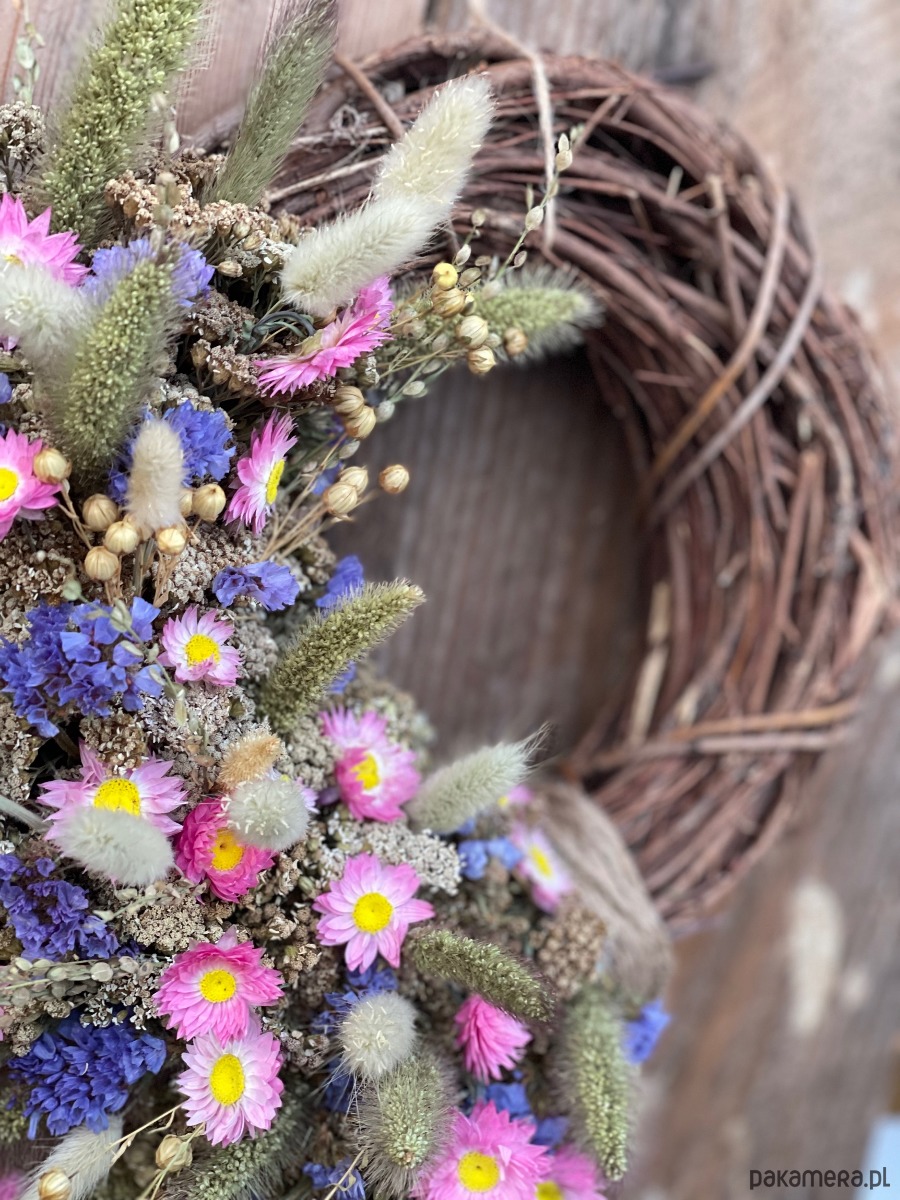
(362, 424)
(122, 538)
(449, 303)
(340, 499)
(171, 540)
(356, 477)
(54, 1184)
(173, 1153)
(481, 360)
(515, 342)
(473, 330)
(444, 276)
(394, 479)
(348, 401)
(101, 564)
(208, 501)
(99, 512)
(51, 466)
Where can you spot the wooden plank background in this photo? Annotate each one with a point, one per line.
(518, 523)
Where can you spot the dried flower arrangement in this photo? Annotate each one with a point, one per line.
(249, 950)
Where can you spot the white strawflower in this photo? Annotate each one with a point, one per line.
(377, 1035)
(42, 313)
(270, 813)
(115, 844)
(155, 482)
(84, 1158)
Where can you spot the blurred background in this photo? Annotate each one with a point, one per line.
(519, 526)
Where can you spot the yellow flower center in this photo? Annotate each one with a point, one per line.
(273, 481)
(541, 862)
(227, 852)
(226, 1080)
(367, 772)
(548, 1190)
(372, 912)
(503, 802)
(478, 1172)
(116, 794)
(217, 986)
(14, 260)
(9, 481)
(200, 649)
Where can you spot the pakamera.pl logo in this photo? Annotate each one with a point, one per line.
(875, 1178)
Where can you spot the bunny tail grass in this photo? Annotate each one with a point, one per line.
(551, 307)
(83, 1157)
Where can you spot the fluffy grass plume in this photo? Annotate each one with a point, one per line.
(294, 64)
(115, 844)
(270, 813)
(251, 757)
(83, 1156)
(471, 785)
(43, 314)
(413, 194)
(484, 968)
(377, 1034)
(329, 643)
(595, 1080)
(403, 1122)
(551, 307)
(156, 478)
(111, 369)
(142, 47)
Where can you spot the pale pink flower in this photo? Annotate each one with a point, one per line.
(569, 1175)
(491, 1040)
(197, 648)
(541, 866)
(490, 1155)
(212, 988)
(12, 1185)
(516, 797)
(147, 791)
(208, 849)
(375, 776)
(25, 243)
(260, 473)
(232, 1087)
(358, 330)
(22, 494)
(370, 909)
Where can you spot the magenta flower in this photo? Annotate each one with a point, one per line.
(208, 849)
(232, 1087)
(490, 1155)
(358, 330)
(212, 988)
(370, 909)
(375, 776)
(12, 1184)
(491, 1040)
(25, 243)
(260, 473)
(569, 1175)
(541, 867)
(22, 494)
(196, 648)
(147, 791)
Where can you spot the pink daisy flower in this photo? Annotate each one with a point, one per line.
(212, 988)
(232, 1087)
(12, 1185)
(197, 648)
(490, 1155)
(541, 866)
(260, 473)
(370, 909)
(375, 775)
(358, 330)
(570, 1175)
(491, 1040)
(516, 797)
(147, 791)
(25, 243)
(208, 849)
(22, 494)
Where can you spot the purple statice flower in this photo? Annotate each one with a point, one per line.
(190, 279)
(361, 984)
(5, 389)
(347, 578)
(475, 853)
(325, 479)
(642, 1034)
(49, 916)
(205, 438)
(375, 978)
(550, 1131)
(79, 1074)
(269, 583)
(339, 1092)
(321, 1177)
(32, 671)
(511, 1098)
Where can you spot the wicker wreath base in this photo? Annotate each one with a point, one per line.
(755, 417)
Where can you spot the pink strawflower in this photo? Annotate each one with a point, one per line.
(490, 1155)
(260, 473)
(208, 849)
(375, 775)
(22, 494)
(541, 866)
(516, 797)
(212, 988)
(358, 330)
(232, 1087)
(197, 648)
(491, 1040)
(370, 909)
(569, 1175)
(147, 791)
(12, 1185)
(25, 243)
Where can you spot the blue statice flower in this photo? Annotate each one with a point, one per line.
(326, 479)
(34, 670)
(375, 978)
(370, 982)
(79, 1074)
(339, 1091)
(550, 1131)
(642, 1034)
(321, 1177)
(5, 389)
(475, 853)
(49, 916)
(511, 1098)
(205, 438)
(348, 577)
(190, 279)
(269, 583)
